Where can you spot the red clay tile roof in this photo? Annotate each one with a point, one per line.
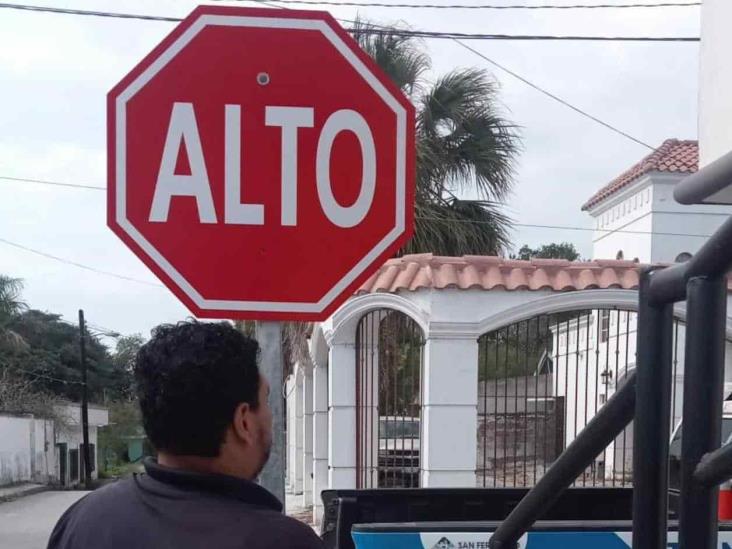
(673, 156)
(413, 272)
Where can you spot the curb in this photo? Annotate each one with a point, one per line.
(22, 494)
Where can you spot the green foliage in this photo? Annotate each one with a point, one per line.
(464, 145)
(514, 351)
(564, 250)
(125, 420)
(51, 358)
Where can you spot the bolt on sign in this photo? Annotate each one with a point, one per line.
(260, 163)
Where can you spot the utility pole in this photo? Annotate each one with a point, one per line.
(269, 336)
(84, 404)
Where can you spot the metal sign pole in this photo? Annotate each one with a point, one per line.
(269, 336)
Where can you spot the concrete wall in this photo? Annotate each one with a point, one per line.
(715, 81)
(27, 452)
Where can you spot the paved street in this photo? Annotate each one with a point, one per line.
(27, 522)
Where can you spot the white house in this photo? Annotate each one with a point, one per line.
(635, 216)
(48, 451)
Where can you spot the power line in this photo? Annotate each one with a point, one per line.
(50, 378)
(469, 48)
(482, 6)
(55, 183)
(563, 227)
(528, 83)
(529, 225)
(396, 32)
(76, 264)
(65, 11)
(555, 97)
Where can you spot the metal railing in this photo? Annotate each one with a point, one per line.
(702, 283)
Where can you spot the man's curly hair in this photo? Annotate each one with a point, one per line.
(190, 378)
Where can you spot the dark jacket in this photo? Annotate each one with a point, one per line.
(171, 509)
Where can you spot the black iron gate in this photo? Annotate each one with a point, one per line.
(388, 400)
(541, 381)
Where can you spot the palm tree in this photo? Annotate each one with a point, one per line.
(464, 145)
(11, 305)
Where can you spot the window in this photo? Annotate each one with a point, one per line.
(604, 325)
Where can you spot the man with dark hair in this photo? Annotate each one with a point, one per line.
(204, 407)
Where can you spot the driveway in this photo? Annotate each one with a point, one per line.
(26, 523)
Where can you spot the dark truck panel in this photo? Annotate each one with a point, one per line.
(542, 535)
(346, 508)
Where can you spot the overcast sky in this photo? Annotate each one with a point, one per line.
(55, 71)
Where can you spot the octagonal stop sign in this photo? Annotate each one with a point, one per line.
(260, 163)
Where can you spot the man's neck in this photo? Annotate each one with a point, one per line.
(204, 465)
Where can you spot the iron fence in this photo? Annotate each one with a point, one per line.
(542, 380)
(388, 400)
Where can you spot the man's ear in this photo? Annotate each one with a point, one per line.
(243, 426)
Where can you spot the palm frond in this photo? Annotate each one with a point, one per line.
(459, 227)
(400, 57)
(11, 303)
(464, 143)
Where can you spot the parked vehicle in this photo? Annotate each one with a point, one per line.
(464, 518)
(399, 448)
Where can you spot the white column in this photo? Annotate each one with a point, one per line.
(342, 416)
(291, 457)
(320, 439)
(299, 423)
(307, 443)
(450, 412)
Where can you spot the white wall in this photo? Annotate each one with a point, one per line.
(27, 452)
(715, 81)
(671, 217)
(629, 210)
(648, 207)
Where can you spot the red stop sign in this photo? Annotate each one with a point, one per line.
(260, 163)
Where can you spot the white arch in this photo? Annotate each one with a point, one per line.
(569, 301)
(341, 327)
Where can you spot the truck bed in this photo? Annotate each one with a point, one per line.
(487, 506)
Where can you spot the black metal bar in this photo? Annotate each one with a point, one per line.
(704, 372)
(625, 373)
(651, 424)
(712, 260)
(701, 186)
(495, 416)
(715, 467)
(539, 345)
(526, 400)
(505, 407)
(587, 376)
(600, 431)
(576, 371)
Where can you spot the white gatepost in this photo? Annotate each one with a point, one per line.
(450, 411)
(320, 438)
(307, 443)
(298, 430)
(342, 415)
(291, 455)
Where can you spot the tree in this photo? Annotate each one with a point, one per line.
(123, 362)
(51, 358)
(464, 145)
(11, 305)
(565, 250)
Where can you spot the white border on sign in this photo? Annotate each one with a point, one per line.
(259, 22)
